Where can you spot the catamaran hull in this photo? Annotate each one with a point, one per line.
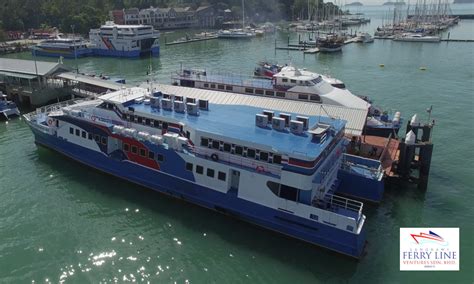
(324, 235)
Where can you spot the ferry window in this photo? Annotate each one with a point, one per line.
(89, 136)
(147, 121)
(269, 93)
(274, 187)
(220, 87)
(215, 144)
(350, 228)
(259, 91)
(221, 176)
(280, 94)
(239, 150)
(134, 149)
(314, 98)
(288, 192)
(284, 80)
(164, 125)
(210, 173)
(302, 97)
(249, 90)
(151, 155)
(97, 138)
(160, 158)
(103, 140)
(213, 86)
(276, 159)
(251, 153)
(227, 147)
(229, 88)
(204, 142)
(293, 81)
(189, 167)
(313, 216)
(263, 156)
(199, 170)
(84, 134)
(139, 119)
(142, 152)
(126, 147)
(132, 117)
(78, 132)
(206, 85)
(157, 124)
(71, 130)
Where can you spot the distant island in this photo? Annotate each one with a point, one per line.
(355, 4)
(463, 1)
(393, 3)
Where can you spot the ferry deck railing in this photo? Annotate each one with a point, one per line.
(374, 167)
(335, 202)
(232, 159)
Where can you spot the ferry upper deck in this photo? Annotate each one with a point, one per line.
(235, 122)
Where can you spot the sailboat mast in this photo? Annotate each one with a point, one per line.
(243, 15)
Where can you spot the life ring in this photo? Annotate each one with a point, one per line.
(259, 169)
(214, 157)
(50, 122)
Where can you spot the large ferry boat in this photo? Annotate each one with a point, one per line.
(291, 83)
(125, 40)
(259, 161)
(65, 47)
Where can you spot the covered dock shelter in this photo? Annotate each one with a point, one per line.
(31, 82)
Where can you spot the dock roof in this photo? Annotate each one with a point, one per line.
(27, 67)
(106, 84)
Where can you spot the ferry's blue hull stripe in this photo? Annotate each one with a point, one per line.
(283, 222)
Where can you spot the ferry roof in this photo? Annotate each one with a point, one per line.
(355, 117)
(237, 122)
(295, 73)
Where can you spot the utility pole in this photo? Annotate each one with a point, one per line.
(75, 52)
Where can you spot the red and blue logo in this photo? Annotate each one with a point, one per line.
(430, 237)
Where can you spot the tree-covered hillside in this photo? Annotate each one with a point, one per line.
(21, 15)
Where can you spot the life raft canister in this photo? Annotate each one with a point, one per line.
(259, 169)
(214, 157)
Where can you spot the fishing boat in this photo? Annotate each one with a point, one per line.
(236, 158)
(416, 37)
(7, 108)
(289, 83)
(65, 47)
(124, 40)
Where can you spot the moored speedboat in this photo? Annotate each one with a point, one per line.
(416, 37)
(235, 34)
(7, 108)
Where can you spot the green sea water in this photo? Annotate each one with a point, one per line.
(60, 221)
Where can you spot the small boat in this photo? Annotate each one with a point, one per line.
(416, 37)
(364, 38)
(7, 108)
(235, 34)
